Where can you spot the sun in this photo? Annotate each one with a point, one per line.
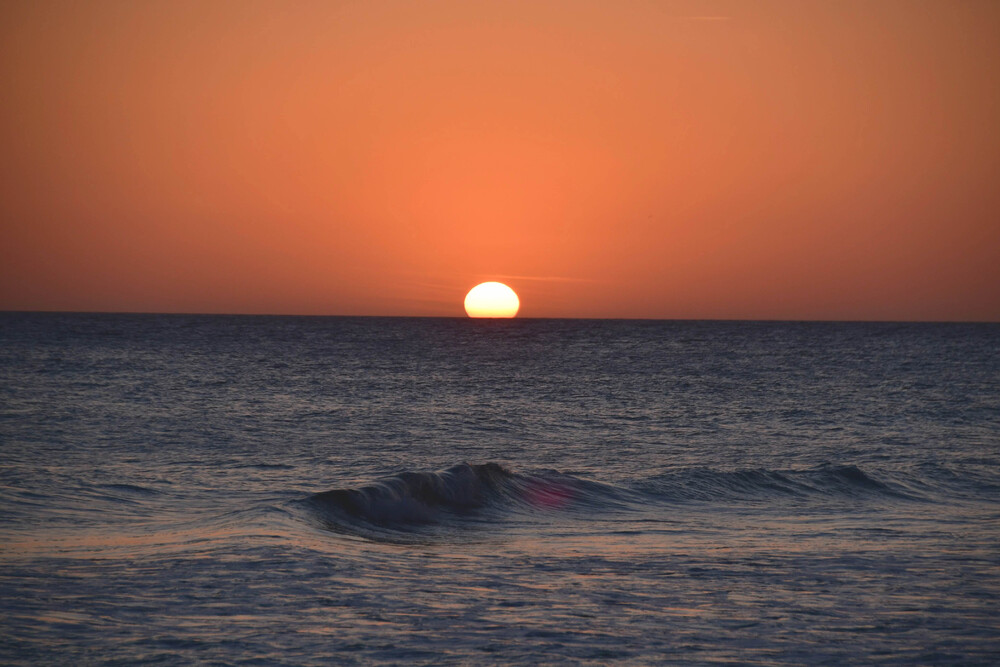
(491, 300)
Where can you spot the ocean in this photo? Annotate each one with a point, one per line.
(243, 490)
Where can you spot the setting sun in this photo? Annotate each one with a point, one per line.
(491, 300)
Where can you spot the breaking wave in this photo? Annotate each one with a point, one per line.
(418, 501)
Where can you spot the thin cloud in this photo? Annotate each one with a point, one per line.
(438, 282)
(551, 279)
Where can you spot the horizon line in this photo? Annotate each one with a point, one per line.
(466, 317)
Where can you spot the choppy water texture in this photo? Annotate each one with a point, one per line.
(178, 489)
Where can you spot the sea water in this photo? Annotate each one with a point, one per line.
(312, 491)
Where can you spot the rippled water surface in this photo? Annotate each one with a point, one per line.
(178, 489)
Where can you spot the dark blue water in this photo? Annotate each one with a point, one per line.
(232, 490)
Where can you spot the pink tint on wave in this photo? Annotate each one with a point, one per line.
(549, 495)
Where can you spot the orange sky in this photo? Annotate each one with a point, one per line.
(764, 160)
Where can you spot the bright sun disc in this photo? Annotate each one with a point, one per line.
(491, 300)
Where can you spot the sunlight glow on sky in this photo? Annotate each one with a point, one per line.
(763, 160)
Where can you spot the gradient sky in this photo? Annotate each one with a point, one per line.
(762, 160)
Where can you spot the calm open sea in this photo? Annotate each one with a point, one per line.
(281, 490)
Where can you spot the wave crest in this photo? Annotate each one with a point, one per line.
(489, 491)
(416, 497)
(702, 484)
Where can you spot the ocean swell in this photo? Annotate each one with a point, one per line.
(416, 501)
(826, 482)
(411, 500)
